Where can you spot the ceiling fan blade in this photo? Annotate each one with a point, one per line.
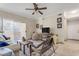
(40, 12)
(28, 9)
(33, 13)
(42, 8)
(35, 5)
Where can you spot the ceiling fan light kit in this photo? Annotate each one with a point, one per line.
(36, 8)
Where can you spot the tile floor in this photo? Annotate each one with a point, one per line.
(69, 48)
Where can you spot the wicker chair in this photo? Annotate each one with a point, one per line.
(42, 47)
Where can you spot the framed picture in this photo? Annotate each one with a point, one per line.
(37, 25)
(59, 25)
(41, 26)
(59, 20)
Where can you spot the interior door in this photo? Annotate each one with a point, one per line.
(73, 30)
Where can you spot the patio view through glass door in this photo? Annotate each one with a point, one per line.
(14, 30)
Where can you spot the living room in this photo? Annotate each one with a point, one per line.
(45, 23)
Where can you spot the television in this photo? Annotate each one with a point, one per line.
(45, 30)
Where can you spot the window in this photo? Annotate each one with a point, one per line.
(14, 30)
(1, 25)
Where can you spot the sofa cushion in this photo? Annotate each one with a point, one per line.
(15, 48)
(36, 36)
(2, 44)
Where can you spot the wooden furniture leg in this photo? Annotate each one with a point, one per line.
(30, 50)
(24, 49)
(20, 45)
(53, 49)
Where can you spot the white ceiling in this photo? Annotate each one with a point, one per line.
(52, 8)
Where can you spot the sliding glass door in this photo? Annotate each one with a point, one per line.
(8, 28)
(19, 30)
(14, 30)
(1, 25)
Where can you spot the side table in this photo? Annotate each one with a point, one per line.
(23, 45)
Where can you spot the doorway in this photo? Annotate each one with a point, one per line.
(73, 29)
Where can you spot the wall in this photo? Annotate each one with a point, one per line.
(30, 23)
(51, 21)
(73, 29)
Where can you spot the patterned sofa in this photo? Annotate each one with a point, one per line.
(14, 47)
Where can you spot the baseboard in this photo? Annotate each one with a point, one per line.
(74, 39)
(59, 43)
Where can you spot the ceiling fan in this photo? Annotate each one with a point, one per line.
(36, 8)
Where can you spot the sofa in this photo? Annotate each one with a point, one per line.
(11, 45)
(15, 48)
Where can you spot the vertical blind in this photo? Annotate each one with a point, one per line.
(12, 29)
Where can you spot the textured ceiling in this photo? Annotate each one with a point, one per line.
(52, 8)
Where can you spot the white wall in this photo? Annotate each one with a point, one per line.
(30, 23)
(73, 29)
(51, 21)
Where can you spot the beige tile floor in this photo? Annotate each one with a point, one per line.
(69, 48)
